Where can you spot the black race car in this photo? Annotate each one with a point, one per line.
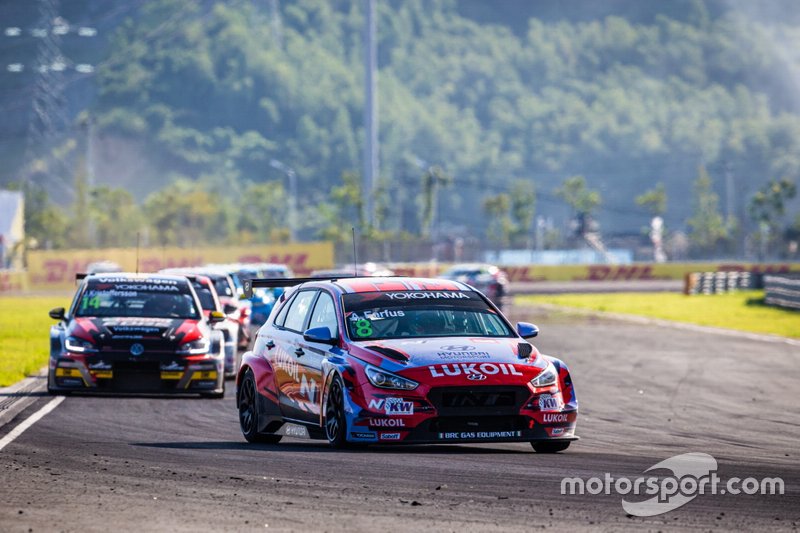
(143, 333)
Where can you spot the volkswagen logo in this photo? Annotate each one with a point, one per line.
(457, 348)
(137, 349)
(474, 376)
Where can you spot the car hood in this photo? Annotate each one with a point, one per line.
(446, 350)
(459, 360)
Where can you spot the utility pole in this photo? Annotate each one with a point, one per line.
(90, 181)
(370, 110)
(49, 114)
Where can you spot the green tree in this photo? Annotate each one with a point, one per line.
(115, 217)
(334, 216)
(262, 214)
(767, 208)
(768, 205)
(181, 214)
(46, 225)
(500, 227)
(523, 210)
(578, 196)
(707, 229)
(433, 179)
(654, 200)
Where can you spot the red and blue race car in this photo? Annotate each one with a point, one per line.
(400, 360)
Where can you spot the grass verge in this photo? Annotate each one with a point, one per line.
(24, 340)
(743, 311)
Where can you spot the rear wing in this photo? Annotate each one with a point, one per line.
(249, 284)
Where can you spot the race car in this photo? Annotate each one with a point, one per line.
(400, 361)
(229, 328)
(205, 285)
(142, 333)
(488, 279)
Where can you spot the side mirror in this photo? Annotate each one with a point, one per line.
(321, 334)
(526, 330)
(215, 317)
(57, 314)
(229, 309)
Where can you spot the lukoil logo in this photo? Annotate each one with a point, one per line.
(693, 474)
(488, 369)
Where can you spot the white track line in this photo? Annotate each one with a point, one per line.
(31, 420)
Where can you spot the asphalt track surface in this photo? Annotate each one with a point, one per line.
(646, 393)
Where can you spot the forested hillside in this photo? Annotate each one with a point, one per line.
(626, 94)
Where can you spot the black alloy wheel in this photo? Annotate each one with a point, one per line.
(248, 413)
(335, 422)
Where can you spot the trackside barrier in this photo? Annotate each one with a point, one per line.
(721, 282)
(782, 290)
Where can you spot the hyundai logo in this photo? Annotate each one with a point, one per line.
(137, 349)
(474, 376)
(458, 348)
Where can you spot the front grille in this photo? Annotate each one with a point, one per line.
(151, 346)
(449, 424)
(139, 376)
(478, 400)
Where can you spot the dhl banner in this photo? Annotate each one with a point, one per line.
(13, 280)
(57, 268)
(634, 271)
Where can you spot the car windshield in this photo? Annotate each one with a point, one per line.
(386, 315)
(137, 298)
(223, 287)
(206, 298)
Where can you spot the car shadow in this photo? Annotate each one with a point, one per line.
(322, 447)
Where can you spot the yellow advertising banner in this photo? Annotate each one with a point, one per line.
(57, 268)
(634, 271)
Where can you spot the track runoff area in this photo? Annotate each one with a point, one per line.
(680, 429)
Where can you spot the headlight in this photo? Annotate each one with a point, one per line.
(387, 380)
(74, 344)
(195, 347)
(547, 378)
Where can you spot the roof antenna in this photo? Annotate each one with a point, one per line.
(355, 255)
(137, 251)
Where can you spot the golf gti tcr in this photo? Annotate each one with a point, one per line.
(136, 333)
(400, 360)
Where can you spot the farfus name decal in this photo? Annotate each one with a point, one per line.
(423, 295)
(487, 369)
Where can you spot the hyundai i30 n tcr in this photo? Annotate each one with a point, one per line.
(135, 333)
(400, 360)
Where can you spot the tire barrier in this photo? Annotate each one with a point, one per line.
(782, 290)
(721, 282)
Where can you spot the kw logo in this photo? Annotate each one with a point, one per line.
(392, 406)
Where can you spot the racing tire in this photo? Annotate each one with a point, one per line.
(248, 413)
(335, 420)
(550, 446)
